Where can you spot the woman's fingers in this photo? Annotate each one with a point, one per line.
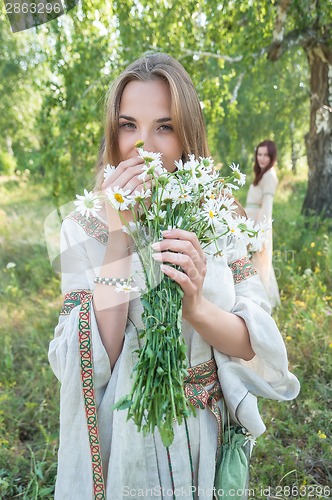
(188, 286)
(182, 235)
(190, 268)
(124, 172)
(184, 252)
(180, 251)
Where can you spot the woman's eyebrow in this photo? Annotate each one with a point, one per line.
(129, 118)
(163, 120)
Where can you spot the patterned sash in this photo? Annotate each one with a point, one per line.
(199, 377)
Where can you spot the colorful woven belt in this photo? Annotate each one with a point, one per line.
(199, 377)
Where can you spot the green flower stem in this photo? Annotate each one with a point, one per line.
(157, 396)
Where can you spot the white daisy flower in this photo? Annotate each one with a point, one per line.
(160, 215)
(153, 168)
(126, 288)
(239, 178)
(229, 187)
(210, 211)
(141, 195)
(179, 164)
(191, 164)
(118, 198)
(170, 193)
(233, 227)
(249, 438)
(184, 195)
(88, 203)
(227, 203)
(108, 171)
(207, 163)
(149, 156)
(257, 241)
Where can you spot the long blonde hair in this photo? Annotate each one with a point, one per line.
(187, 115)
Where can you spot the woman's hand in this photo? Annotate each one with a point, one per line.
(182, 248)
(125, 176)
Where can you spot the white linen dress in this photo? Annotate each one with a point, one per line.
(259, 206)
(134, 465)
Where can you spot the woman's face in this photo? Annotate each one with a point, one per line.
(263, 158)
(145, 114)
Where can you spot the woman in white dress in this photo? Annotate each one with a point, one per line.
(230, 336)
(259, 207)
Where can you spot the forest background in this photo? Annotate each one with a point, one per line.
(262, 70)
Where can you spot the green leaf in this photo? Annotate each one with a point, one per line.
(166, 434)
(122, 404)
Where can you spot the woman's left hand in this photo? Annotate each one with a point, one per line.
(182, 248)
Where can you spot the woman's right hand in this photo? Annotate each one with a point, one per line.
(125, 176)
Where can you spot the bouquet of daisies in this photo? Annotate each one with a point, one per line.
(195, 198)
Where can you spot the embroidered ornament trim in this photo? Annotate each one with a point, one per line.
(200, 376)
(92, 226)
(86, 366)
(242, 269)
(73, 299)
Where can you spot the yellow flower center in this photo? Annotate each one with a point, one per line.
(119, 198)
(211, 214)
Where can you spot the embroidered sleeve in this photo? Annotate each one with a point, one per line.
(91, 226)
(242, 269)
(73, 299)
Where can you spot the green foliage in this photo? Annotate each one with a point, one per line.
(19, 103)
(299, 432)
(7, 163)
(58, 76)
(81, 62)
(29, 294)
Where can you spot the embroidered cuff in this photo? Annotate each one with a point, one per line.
(73, 299)
(242, 269)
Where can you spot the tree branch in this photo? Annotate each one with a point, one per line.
(308, 38)
(279, 25)
(237, 87)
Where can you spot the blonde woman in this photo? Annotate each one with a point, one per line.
(226, 322)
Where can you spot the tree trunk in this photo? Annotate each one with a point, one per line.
(318, 199)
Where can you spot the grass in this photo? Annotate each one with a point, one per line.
(30, 301)
(291, 460)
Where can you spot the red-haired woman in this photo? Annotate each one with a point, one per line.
(259, 207)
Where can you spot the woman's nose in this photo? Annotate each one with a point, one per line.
(148, 141)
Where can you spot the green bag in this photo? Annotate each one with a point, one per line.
(232, 471)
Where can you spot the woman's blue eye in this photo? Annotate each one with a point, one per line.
(127, 125)
(166, 127)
